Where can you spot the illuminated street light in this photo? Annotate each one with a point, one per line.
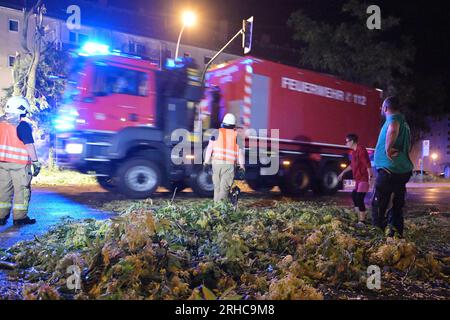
(189, 19)
(434, 156)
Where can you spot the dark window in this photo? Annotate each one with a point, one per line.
(137, 48)
(11, 61)
(113, 80)
(140, 49)
(72, 37)
(14, 25)
(131, 47)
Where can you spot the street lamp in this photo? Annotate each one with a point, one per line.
(189, 18)
(434, 156)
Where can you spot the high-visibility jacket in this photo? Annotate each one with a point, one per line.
(11, 148)
(225, 148)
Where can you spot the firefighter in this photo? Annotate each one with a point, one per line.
(223, 152)
(17, 155)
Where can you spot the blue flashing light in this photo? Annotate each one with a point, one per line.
(65, 120)
(247, 61)
(94, 48)
(64, 126)
(174, 63)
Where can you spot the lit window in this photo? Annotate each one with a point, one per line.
(11, 61)
(13, 25)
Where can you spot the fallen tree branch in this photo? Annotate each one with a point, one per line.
(7, 265)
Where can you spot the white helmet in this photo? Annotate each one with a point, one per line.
(229, 119)
(17, 106)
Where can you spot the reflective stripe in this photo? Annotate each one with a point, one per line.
(20, 207)
(219, 150)
(5, 205)
(13, 156)
(14, 149)
(220, 156)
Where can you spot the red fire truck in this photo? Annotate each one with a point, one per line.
(120, 111)
(313, 113)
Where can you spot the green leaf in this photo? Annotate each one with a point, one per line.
(208, 294)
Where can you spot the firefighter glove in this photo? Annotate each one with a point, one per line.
(36, 168)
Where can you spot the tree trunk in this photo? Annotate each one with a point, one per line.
(16, 87)
(31, 81)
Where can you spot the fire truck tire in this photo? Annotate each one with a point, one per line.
(328, 183)
(107, 183)
(138, 178)
(201, 183)
(298, 181)
(260, 186)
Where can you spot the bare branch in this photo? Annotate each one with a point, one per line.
(26, 15)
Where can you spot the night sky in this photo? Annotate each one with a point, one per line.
(427, 22)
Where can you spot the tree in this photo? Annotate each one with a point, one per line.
(39, 71)
(347, 48)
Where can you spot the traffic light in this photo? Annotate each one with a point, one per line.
(247, 29)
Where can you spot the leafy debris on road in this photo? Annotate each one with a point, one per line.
(264, 250)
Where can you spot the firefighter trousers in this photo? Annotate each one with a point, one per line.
(223, 177)
(15, 181)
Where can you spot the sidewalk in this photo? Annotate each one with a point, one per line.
(428, 185)
(412, 185)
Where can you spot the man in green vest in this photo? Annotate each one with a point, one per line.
(394, 169)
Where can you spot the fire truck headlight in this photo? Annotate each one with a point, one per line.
(74, 148)
(286, 163)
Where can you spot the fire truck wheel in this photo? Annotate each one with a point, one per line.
(260, 186)
(138, 178)
(202, 184)
(298, 180)
(107, 183)
(328, 183)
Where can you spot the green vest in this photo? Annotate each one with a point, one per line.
(401, 163)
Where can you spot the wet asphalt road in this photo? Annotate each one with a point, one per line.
(48, 208)
(51, 205)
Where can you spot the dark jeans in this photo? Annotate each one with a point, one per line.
(389, 185)
(358, 200)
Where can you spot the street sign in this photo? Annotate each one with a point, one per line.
(426, 148)
(247, 30)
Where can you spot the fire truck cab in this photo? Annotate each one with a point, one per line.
(117, 117)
